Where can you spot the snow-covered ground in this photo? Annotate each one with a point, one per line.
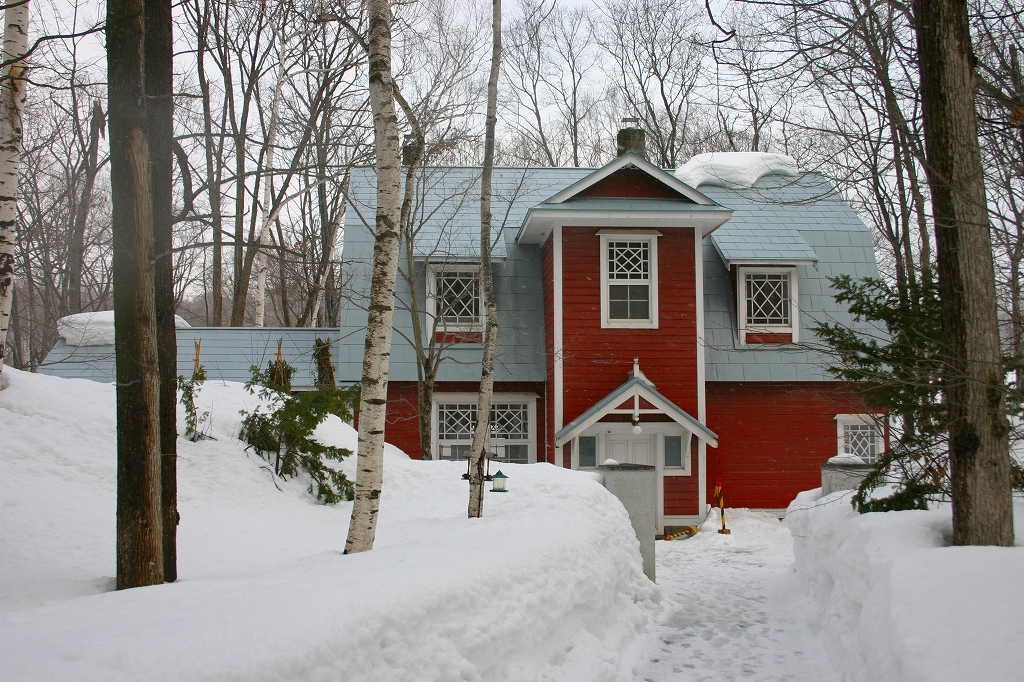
(547, 586)
(897, 603)
(734, 609)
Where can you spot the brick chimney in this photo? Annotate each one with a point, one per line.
(631, 138)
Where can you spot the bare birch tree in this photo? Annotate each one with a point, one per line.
(481, 433)
(380, 315)
(12, 103)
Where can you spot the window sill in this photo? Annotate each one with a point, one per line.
(767, 338)
(459, 337)
(628, 324)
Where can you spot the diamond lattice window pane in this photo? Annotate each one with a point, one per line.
(510, 421)
(767, 299)
(629, 260)
(455, 421)
(861, 440)
(458, 297)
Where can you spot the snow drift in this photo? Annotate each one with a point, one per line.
(898, 604)
(547, 585)
(735, 170)
(94, 329)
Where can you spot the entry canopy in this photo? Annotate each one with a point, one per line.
(636, 386)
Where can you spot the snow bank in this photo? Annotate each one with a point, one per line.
(898, 604)
(548, 585)
(94, 329)
(736, 170)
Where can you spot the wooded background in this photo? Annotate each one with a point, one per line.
(271, 112)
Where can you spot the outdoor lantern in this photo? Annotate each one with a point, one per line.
(636, 427)
(498, 483)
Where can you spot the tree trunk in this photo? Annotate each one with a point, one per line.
(424, 412)
(76, 249)
(268, 191)
(12, 104)
(478, 451)
(213, 174)
(979, 450)
(139, 522)
(160, 133)
(380, 316)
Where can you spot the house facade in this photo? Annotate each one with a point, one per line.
(642, 319)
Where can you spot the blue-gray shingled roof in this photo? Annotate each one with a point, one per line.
(798, 220)
(225, 352)
(745, 244)
(841, 243)
(447, 209)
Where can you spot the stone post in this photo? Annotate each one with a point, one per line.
(840, 476)
(636, 487)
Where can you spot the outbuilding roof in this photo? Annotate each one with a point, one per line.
(226, 352)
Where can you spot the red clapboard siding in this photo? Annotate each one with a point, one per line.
(596, 360)
(547, 454)
(402, 427)
(681, 494)
(772, 437)
(631, 182)
(751, 337)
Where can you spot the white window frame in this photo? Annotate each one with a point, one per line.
(651, 238)
(844, 420)
(431, 298)
(499, 398)
(793, 328)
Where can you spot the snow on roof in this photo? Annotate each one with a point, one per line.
(737, 170)
(94, 329)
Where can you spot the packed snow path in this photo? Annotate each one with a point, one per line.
(735, 610)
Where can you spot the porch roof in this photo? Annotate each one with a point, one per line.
(636, 385)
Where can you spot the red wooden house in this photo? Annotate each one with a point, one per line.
(643, 319)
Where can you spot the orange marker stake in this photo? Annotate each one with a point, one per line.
(720, 502)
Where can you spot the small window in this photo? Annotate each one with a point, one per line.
(454, 298)
(858, 434)
(767, 305)
(629, 281)
(588, 451)
(673, 451)
(767, 299)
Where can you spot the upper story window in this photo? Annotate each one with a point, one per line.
(629, 280)
(453, 298)
(767, 305)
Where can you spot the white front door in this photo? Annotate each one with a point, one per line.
(631, 449)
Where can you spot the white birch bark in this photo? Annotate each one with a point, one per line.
(380, 316)
(12, 104)
(477, 452)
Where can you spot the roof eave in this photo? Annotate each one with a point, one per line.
(539, 221)
(623, 161)
(616, 397)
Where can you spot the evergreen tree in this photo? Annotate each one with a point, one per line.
(897, 372)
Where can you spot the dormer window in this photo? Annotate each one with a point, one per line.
(629, 280)
(453, 298)
(767, 305)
